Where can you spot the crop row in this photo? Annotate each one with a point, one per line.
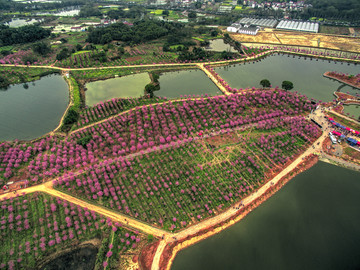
(36, 225)
(142, 128)
(103, 110)
(178, 186)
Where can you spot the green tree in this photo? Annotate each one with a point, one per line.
(64, 53)
(71, 117)
(41, 48)
(287, 85)
(78, 47)
(192, 15)
(150, 88)
(165, 13)
(89, 10)
(84, 140)
(4, 82)
(106, 38)
(155, 77)
(265, 83)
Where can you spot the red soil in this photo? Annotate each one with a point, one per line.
(222, 139)
(344, 96)
(147, 255)
(339, 109)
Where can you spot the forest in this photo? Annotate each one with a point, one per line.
(334, 9)
(142, 31)
(21, 35)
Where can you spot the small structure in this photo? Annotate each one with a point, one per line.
(332, 138)
(241, 28)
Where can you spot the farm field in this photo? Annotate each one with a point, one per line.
(197, 155)
(301, 39)
(37, 225)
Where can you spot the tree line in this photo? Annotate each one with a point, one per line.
(334, 9)
(141, 31)
(24, 34)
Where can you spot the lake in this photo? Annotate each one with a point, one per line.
(185, 82)
(26, 114)
(306, 75)
(311, 223)
(122, 87)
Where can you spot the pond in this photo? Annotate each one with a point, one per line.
(26, 114)
(306, 75)
(127, 86)
(82, 258)
(218, 45)
(311, 223)
(352, 110)
(185, 82)
(65, 12)
(22, 22)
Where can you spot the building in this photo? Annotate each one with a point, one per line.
(270, 23)
(247, 29)
(225, 9)
(298, 26)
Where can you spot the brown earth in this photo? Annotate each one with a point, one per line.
(301, 39)
(132, 59)
(222, 139)
(147, 255)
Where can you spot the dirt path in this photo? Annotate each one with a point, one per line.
(127, 221)
(222, 62)
(314, 148)
(215, 80)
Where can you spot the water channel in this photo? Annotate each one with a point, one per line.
(311, 223)
(127, 86)
(306, 75)
(30, 113)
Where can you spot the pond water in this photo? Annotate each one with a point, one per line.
(311, 223)
(127, 86)
(82, 258)
(218, 45)
(30, 113)
(71, 12)
(306, 75)
(185, 82)
(352, 110)
(21, 22)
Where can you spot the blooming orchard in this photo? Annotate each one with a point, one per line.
(35, 225)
